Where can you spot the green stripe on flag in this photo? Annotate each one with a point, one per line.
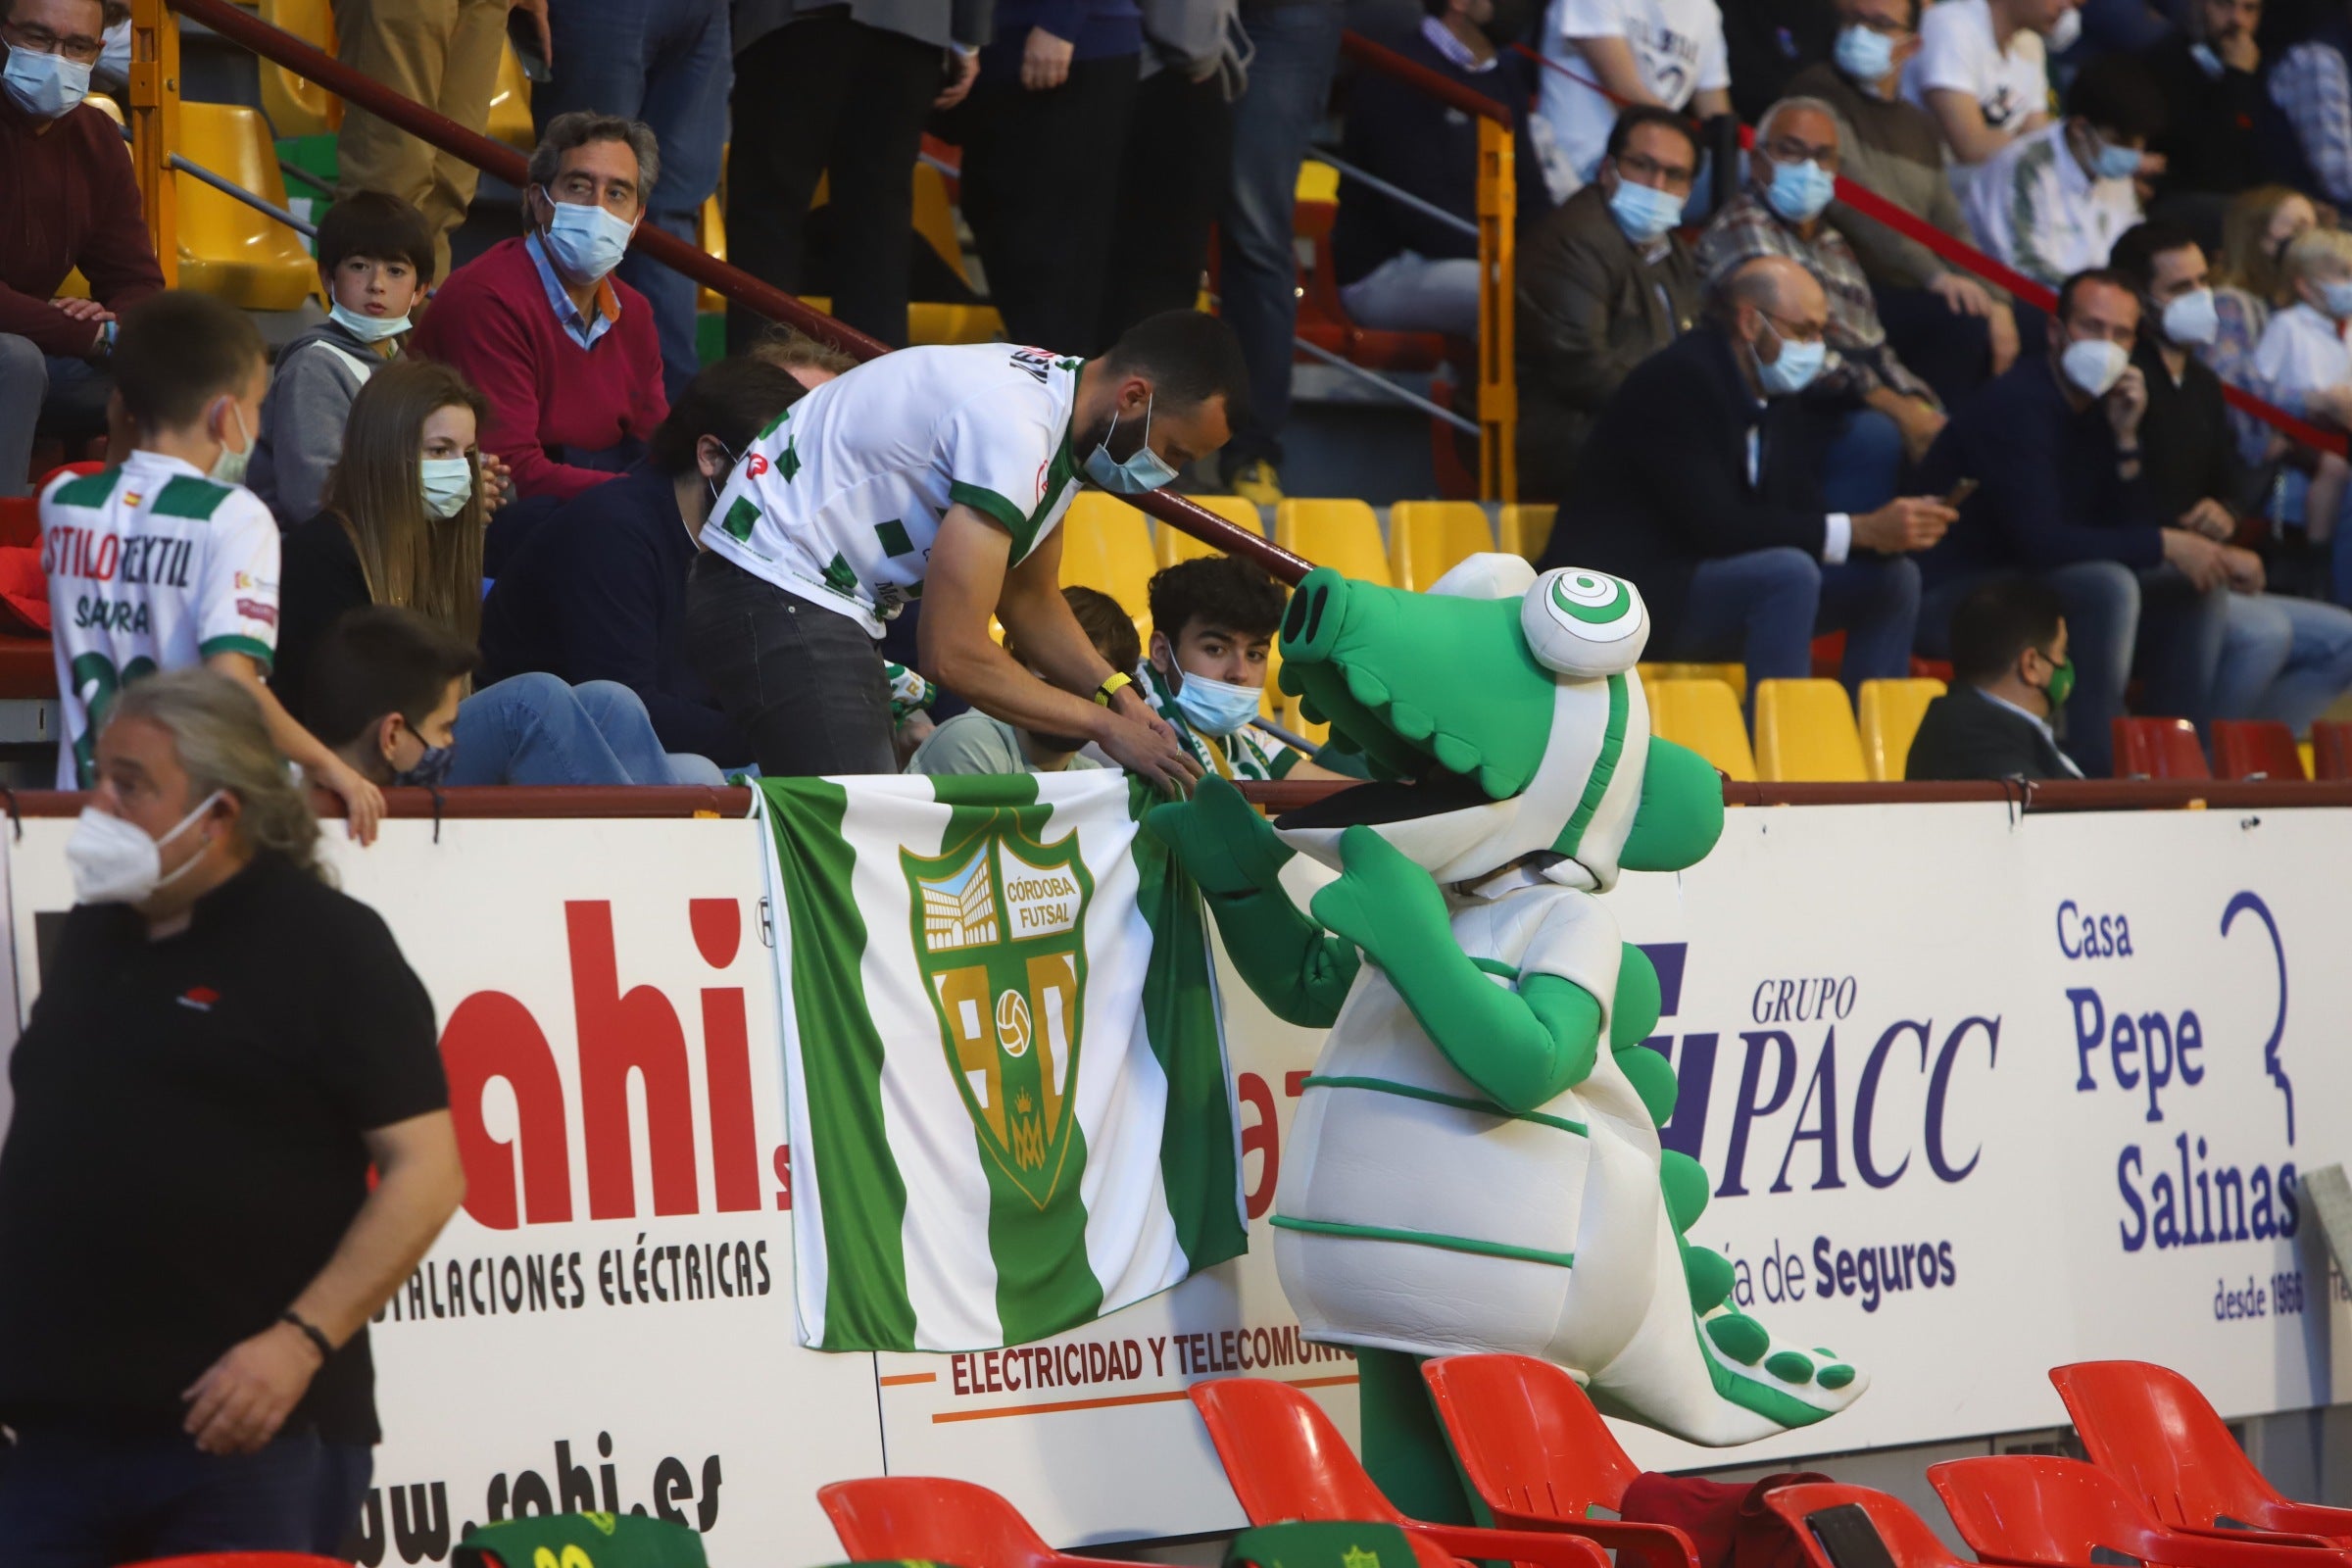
(862, 1197)
(1200, 1157)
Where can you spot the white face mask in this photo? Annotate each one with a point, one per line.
(114, 62)
(2192, 321)
(367, 329)
(447, 484)
(229, 466)
(115, 862)
(2094, 364)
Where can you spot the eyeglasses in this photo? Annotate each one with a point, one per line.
(1647, 170)
(1782, 150)
(1795, 331)
(80, 48)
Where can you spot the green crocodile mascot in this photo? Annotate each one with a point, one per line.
(1475, 1162)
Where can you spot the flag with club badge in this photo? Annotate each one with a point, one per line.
(1009, 1108)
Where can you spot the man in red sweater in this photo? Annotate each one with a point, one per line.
(68, 200)
(565, 355)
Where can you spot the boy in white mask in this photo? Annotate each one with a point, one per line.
(376, 257)
(2305, 367)
(169, 561)
(1212, 635)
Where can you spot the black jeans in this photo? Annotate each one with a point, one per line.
(804, 684)
(828, 94)
(1040, 175)
(1179, 154)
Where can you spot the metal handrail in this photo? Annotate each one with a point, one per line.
(155, 103)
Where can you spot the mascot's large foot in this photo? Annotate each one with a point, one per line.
(1787, 1386)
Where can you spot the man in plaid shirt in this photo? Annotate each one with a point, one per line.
(1791, 174)
(2312, 86)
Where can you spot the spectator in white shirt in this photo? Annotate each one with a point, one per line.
(2304, 366)
(1983, 73)
(2053, 203)
(1668, 52)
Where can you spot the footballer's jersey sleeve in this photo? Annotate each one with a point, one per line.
(1008, 457)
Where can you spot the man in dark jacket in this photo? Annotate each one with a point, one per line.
(599, 592)
(1604, 282)
(2011, 676)
(1701, 483)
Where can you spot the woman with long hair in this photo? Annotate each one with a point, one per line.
(404, 524)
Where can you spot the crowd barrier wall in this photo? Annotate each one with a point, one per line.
(1980, 1092)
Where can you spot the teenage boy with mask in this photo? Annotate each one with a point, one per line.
(942, 474)
(1212, 627)
(971, 742)
(2053, 448)
(168, 561)
(2010, 681)
(1604, 282)
(567, 355)
(2054, 203)
(376, 257)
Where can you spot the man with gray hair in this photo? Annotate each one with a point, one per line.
(567, 357)
(1890, 414)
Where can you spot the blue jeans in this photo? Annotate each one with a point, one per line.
(2282, 658)
(80, 1498)
(667, 63)
(1766, 606)
(2107, 608)
(1411, 293)
(44, 392)
(538, 729)
(1864, 463)
(1290, 77)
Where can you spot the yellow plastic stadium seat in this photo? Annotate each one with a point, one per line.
(1428, 538)
(1526, 528)
(1317, 183)
(1343, 535)
(297, 106)
(1805, 734)
(1703, 716)
(930, 321)
(710, 233)
(1891, 714)
(1174, 543)
(1732, 675)
(1106, 545)
(1270, 699)
(227, 248)
(510, 104)
(935, 218)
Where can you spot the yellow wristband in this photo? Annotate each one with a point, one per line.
(1112, 687)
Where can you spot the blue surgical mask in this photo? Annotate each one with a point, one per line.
(431, 770)
(1645, 213)
(1799, 191)
(586, 242)
(1865, 54)
(229, 466)
(2113, 160)
(1217, 707)
(367, 329)
(1146, 470)
(2337, 298)
(1796, 368)
(447, 484)
(114, 61)
(44, 86)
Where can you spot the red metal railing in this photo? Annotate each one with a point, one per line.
(285, 49)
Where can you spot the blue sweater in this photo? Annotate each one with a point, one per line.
(2047, 491)
(1096, 29)
(599, 593)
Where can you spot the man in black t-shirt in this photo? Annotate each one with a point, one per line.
(189, 1247)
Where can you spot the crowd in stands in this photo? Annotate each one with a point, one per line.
(514, 482)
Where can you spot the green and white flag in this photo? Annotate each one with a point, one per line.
(1010, 1112)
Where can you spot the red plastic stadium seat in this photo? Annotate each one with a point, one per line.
(2035, 1511)
(1285, 1460)
(1539, 1456)
(19, 521)
(2331, 751)
(1824, 1515)
(2158, 748)
(930, 1518)
(2255, 748)
(2148, 1426)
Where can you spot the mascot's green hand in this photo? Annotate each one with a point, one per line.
(1383, 902)
(1220, 839)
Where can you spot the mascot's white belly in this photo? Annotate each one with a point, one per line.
(1413, 1214)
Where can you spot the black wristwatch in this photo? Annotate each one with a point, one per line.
(310, 1332)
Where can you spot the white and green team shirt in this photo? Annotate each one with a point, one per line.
(839, 500)
(1247, 753)
(150, 567)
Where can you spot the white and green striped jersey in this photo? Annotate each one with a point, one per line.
(840, 498)
(1247, 753)
(1009, 1106)
(150, 567)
